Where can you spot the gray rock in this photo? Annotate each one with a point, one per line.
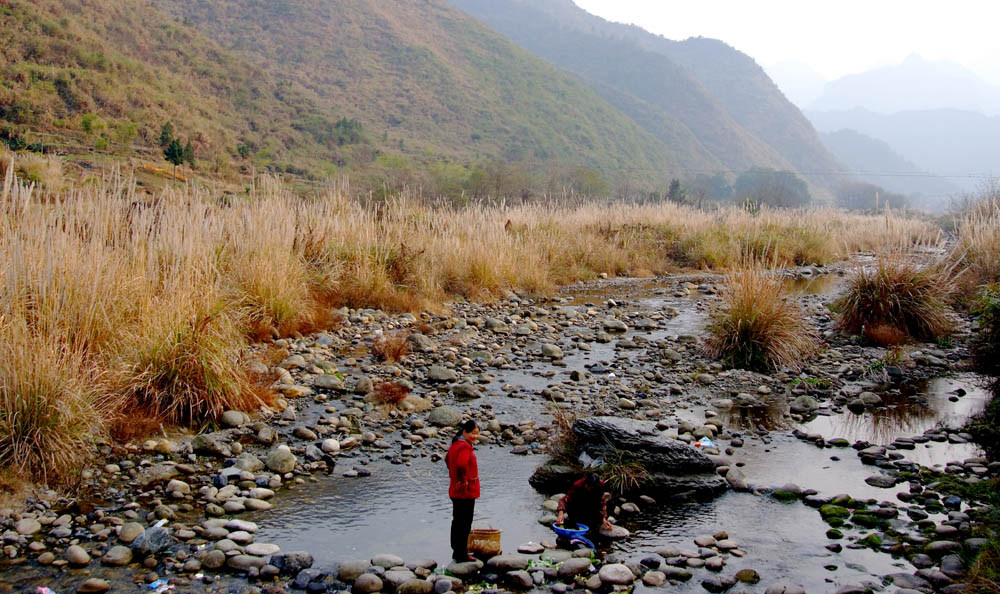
(508, 562)
(233, 418)
(76, 555)
(304, 433)
(654, 578)
(367, 583)
(281, 460)
(439, 373)
(350, 570)
(672, 465)
(420, 343)
(676, 573)
(248, 462)
(397, 577)
(386, 560)
(881, 481)
(245, 562)
(908, 581)
(444, 416)
(210, 444)
(94, 585)
(328, 381)
(520, 579)
(155, 474)
(152, 540)
(573, 567)
(117, 556)
(27, 526)
(785, 588)
(465, 568)
(552, 351)
(617, 574)
(262, 549)
(213, 559)
(465, 390)
(415, 586)
(803, 404)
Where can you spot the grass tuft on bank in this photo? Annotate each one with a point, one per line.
(759, 326)
(896, 298)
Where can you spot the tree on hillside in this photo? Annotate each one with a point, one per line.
(865, 196)
(174, 153)
(188, 154)
(166, 134)
(676, 193)
(760, 185)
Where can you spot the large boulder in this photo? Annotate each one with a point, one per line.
(605, 437)
(671, 466)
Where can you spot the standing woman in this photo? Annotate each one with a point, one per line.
(463, 488)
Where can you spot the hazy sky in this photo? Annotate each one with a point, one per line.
(834, 38)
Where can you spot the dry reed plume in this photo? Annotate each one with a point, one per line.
(117, 303)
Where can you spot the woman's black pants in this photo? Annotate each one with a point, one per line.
(461, 525)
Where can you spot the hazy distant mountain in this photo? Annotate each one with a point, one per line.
(963, 146)
(698, 86)
(798, 81)
(874, 161)
(915, 84)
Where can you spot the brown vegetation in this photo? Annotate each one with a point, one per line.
(391, 347)
(113, 304)
(759, 326)
(899, 294)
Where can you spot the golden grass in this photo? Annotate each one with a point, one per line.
(897, 296)
(976, 251)
(759, 326)
(146, 306)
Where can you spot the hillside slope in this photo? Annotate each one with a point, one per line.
(874, 161)
(305, 86)
(718, 93)
(427, 78)
(962, 146)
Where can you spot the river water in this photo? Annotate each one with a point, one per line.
(404, 509)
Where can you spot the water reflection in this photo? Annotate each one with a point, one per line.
(906, 415)
(769, 416)
(823, 284)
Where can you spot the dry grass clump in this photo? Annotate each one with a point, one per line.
(185, 371)
(49, 407)
(389, 393)
(976, 251)
(391, 347)
(885, 335)
(896, 294)
(758, 325)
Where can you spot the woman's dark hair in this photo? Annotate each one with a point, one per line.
(465, 427)
(593, 480)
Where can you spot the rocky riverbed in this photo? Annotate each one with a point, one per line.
(837, 477)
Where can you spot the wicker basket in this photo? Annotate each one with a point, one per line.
(484, 541)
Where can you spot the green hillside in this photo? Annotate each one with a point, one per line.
(81, 75)
(716, 93)
(392, 89)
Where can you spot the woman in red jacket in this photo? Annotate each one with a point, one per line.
(463, 488)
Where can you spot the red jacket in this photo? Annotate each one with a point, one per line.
(462, 470)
